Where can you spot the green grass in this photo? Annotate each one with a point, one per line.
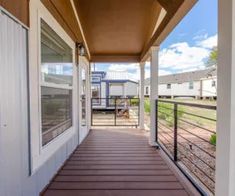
(168, 113)
(213, 139)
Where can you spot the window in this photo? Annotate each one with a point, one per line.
(213, 83)
(168, 86)
(147, 90)
(95, 93)
(56, 84)
(83, 94)
(191, 85)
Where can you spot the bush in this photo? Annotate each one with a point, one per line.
(213, 139)
(147, 106)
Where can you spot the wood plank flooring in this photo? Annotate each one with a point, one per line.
(116, 162)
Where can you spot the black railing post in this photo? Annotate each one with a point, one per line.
(91, 111)
(115, 117)
(156, 120)
(175, 131)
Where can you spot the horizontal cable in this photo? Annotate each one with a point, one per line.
(195, 115)
(207, 164)
(194, 164)
(185, 121)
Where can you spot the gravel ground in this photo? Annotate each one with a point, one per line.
(195, 152)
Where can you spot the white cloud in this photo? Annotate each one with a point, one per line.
(209, 42)
(123, 67)
(183, 57)
(178, 57)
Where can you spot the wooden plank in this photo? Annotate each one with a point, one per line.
(113, 155)
(117, 167)
(117, 162)
(115, 172)
(115, 185)
(115, 193)
(120, 158)
(168, 178)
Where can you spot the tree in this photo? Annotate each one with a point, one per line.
(212, 59)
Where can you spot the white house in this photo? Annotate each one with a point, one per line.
(196, 84)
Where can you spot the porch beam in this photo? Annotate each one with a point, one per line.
(153, 93)
(104, 58)
(225, 147)
(176, 10)
(141, 94)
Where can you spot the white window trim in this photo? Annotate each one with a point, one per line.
(83, 129)
(39, 153)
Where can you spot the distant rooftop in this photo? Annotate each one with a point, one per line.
(185, 77)
(115, 75)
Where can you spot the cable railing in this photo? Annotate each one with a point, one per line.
(187, 133)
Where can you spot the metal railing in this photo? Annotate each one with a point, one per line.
(115, 112)
(186, 132)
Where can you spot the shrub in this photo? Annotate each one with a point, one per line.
(147, 106)
(213, 139)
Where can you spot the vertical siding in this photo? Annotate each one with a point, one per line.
(14, 127)
(14, 162)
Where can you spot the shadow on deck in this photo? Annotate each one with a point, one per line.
(118, 162)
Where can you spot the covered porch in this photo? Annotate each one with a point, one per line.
(46, 116)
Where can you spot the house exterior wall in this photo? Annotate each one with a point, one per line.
(116, 89)
(201, 88)
(28, 167)
(180, 89)
(131, 89)
(207, 89)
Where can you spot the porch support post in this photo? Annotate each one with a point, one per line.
(153, 93)
(141, 94)
(225, 148)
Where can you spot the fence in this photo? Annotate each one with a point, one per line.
(186, 132)
(115, 112)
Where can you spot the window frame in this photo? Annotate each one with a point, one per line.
(168, 86)
(191, 85)
(40, 154)
(213, 83)
(42, 83)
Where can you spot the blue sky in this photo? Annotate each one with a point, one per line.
(187, 47)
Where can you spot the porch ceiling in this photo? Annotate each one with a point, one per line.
(121, 31)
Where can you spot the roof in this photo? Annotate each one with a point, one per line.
(121, 76)
(185, 77)
(115, 30)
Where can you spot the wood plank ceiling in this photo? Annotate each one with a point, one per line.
(117, 30)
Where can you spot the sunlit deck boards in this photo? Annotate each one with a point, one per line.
(115, 163)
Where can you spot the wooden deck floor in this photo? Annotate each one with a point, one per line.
(116, 163)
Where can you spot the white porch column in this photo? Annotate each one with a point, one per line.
(153, 93)
(225, 148)
(141, 94)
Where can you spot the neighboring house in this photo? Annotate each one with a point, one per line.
(196, 84)
(112, 85)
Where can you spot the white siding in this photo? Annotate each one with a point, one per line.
(181, 89)
(207, 89)
(15, 177)
(116, 89)
(13, 108)
(131, 89)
